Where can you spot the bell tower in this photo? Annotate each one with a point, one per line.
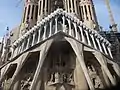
(88, 13)
(29, 16)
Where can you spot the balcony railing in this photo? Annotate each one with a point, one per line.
(62, 21)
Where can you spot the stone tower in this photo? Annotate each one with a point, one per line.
(35, 10)
(88, 13)
(29, 15)
(60, 52)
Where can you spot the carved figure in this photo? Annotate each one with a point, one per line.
(94, 77)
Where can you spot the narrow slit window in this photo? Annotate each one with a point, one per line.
(90, 12)
(86, 12)
(32, 11)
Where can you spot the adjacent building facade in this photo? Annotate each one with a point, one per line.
(59, 48)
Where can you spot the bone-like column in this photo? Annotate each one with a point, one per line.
(70, 30)
(82, 35)
(19, 48)
(33, 40)
(94, 44)
(45, 30)
(22, 45)
(103, 44)
(100, 59)
(43, 53)
(39, 31)
(56, 24)
(105, 77)
(98, 41)
(18, 83)
(88, 39)
(116, 68)
(109, 50)
(50, 28)
(77, 47)
(28, 41)
(63, 18)
(76, 33)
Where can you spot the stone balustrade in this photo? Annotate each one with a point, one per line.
(62, 21)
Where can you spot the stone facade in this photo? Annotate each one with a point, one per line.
(60, 52)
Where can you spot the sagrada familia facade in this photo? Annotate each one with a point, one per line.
(57, 47)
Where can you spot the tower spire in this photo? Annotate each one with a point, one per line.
(112, 21)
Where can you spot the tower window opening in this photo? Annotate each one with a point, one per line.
(73, 6)
(47, 7)
(86, 12)
(82, 12)
(90, 12)
(69, 5)
(28, 11)
(43, 7)
(32, 11)
(36, 13)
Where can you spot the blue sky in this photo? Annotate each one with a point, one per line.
(10, 15)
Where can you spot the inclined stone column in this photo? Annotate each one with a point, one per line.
(81, 30)
(28, 41)
(70, 30)
(89, 43)
(33, 40)
(39, 35)
(109, 50)
(64, 28)
(50, 28)
(45, 28)
(78, 49)
(100, 59)
(56, 24)
(43, 53)
(103, 44)
(79, 78)
(107, 81)
(98, 41)
(92, 36)
(76, 33)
